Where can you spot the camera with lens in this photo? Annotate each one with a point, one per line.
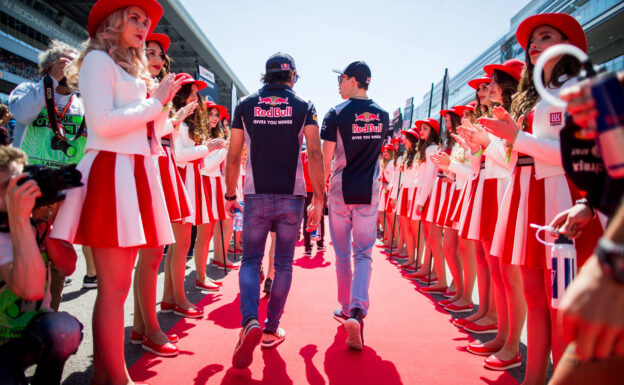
(52, 182)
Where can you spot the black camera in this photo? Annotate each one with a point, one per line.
(52, 182)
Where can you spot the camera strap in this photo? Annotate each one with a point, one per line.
(53, 115)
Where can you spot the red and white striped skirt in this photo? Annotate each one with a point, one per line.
(176, 197)
(528, 200)
(205, 194)
(454, 208)
(403, 203)
(384, 195)
(438, 200)
(121, 204)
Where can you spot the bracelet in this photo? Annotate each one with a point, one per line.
(166, 107)
(510, 149)
(230, 198)
(480, 152)
(585, 202)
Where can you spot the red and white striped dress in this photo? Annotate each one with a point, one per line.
(214, 182)
(537, 193)
(439, 201)
(384, 191)
(408, 184)
(121, 203)
(425, 182)
(460, 167)
(190, 158)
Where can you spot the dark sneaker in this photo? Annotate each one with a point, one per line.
(268, 283)
(89, 282)
(340, 316)
(271, 340)
(320, 248)
(355, 330)
(307, 253)
(68, 281)
(249, 338)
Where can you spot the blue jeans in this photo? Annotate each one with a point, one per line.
(352, 225)
(260, 212)
(48, 341)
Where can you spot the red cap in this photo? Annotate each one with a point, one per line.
(103, 8)
(388, 147)
(159, 38)
(189, 79)
(451, 111)
(565, 23)
(512, 67)
(222, 110)
(430, 121)
(395, 140)
(412, 131)
(474, 83)
(460, 109)
(226, 117)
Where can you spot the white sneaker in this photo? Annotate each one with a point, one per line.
(271, 340)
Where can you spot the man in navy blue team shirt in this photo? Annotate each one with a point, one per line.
(271, 123)
(353, 133)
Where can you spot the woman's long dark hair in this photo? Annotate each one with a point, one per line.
(410, 153)
(198, 121)
(526, 97)
(216, 131)
(508, 86)
(455, 122)
(480, 109)
(422, 145)
(166, 68)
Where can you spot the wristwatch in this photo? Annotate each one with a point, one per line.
(611, 257)
(584, 201)
(230, 198)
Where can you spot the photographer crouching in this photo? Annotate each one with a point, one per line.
(30, 333)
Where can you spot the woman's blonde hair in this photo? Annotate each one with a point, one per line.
(108, 39)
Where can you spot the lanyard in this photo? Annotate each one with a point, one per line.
(53, 116)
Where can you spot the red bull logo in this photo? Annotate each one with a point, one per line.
(273, 112)
(272, 100)
(369, 128)
(366, 117)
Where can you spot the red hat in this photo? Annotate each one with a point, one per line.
(388, 147)
(189, 79)
(512, 67)
(222, 110)
(451, 111)
(460, 109)
(226, 117)
(472, 104)
(565, 23)
(161, 39)
(430, 121)
(395, 140)
(474, 83)
(412, 131)
(103, 8)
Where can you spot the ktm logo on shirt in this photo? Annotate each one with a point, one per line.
(555, 118)
(366, 117)
(272, 100)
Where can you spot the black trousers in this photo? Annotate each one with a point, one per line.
(306, 235)
(48, 341)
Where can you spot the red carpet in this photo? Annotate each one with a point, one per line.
(408, 339)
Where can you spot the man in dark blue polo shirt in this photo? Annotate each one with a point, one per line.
(271, 123)
(353, 133)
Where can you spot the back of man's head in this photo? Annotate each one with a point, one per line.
(279, 69)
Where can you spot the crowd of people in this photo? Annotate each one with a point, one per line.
(15, 65)
(147, 163)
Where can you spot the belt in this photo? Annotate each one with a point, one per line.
(163, 141)
(482, 164)
(524, 161)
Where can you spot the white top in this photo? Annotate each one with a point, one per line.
(116, 107)
(185, 150)
(461, 169)
(544, 143)
(496, 165)
(212, 163)
(410, 175)
(428, 176)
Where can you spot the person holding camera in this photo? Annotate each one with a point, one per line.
(51, 129)
(29, 332)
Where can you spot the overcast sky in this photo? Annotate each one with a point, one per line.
(406, 43)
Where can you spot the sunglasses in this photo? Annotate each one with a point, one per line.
(295, 78)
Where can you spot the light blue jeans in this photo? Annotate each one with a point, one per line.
(352, 226)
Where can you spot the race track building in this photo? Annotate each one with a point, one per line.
(27, 26)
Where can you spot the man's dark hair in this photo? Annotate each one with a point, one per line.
(277, 77)
(362, 86)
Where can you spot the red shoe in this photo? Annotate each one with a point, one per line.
(459, 309)
(137, 338)
(233, 266)
(449, 294)
(165, 350)
(188, 313)
(494, 363)
(166, 307)
(210, 286)
(433, 290)
(416, 275)
(426, 281)
(445, 302)
(478, 349)
(411, 268)
(459, 322)
(479, 329)
(232, 251)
